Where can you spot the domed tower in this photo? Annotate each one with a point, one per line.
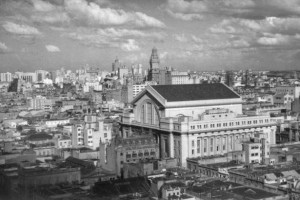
(154, 66)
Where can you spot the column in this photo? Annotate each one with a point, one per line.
(162, 146)
(297, 136)
(171, 145)
(184, 149)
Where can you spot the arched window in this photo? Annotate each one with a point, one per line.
(149, 114)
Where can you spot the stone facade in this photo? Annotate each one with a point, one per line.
(198, 128)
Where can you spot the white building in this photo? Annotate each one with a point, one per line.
(292, 90)
(6, 77)
(194, 120)
(27, 76)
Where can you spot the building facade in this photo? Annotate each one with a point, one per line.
(196, 120)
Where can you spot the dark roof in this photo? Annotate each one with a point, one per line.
(193, 92)
(39, 136)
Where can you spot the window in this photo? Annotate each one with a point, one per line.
(192, 151)
(198, 146)
(105, 135)
(211, 144)
(205, 146)
(193, 143)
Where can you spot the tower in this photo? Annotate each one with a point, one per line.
(116, 65)
(154, 66)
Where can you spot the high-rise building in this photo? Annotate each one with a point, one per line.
(154, 66)
(41, 75)
(116, 65)
(229, 79)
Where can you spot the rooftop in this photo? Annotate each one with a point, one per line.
(194, 92)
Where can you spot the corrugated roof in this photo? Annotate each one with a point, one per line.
(194, 92)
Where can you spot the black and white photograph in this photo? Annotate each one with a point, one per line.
(149, 99)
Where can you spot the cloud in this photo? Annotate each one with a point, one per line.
(3, 48)
(118, 32)
(180, 37)
(51, 17)
(52, 48)
(42, 6)
(246, 9)
(20, 29)
(163, 55)
(130, 45)
(196, 39)
(185, 17)
(134, 58)
(185, 10)
(81, 9)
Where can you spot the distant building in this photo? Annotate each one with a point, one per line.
(229, 78)
(292, 90)
(116, 65)
(122, 72)
(127, 150)
(41, 75)
(39, 176)
(154, 66)
(177, 78)
(6, 77)
(40, 103)
(30, 77)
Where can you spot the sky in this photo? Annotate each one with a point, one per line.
(189, 34)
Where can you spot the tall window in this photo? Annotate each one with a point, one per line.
(218, 144)
(149, 114)
(205, 145)
(198, 145)
(224, 143)
(211, 144)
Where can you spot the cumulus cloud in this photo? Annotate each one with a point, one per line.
(42, 6)
(247, 9)
(185, 17)
(122, 32)
(185, 10)
(21, 29)
(196, 39)
(180, 37)
(133, 58)
(51, 17)
(3, 48)
(108, 16)
(52, 48)
(130, 45)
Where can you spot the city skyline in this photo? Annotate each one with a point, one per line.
(195, 35)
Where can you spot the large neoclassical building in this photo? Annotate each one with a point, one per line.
(196, 120)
